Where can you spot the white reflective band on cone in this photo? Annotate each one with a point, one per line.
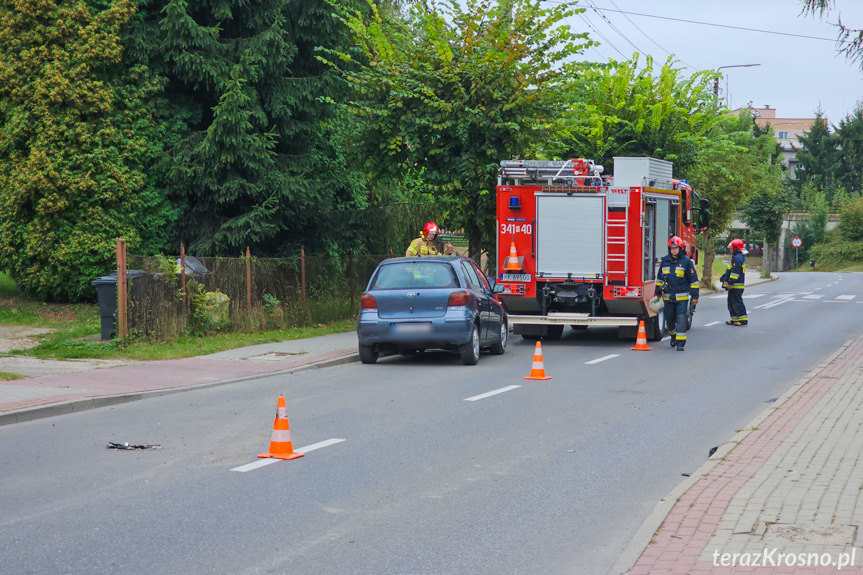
(281, 435)
(282, 413)
(536, 365)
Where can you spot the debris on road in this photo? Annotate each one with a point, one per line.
(127, 445)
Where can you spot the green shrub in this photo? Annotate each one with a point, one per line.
(837, 252)
(851, 221)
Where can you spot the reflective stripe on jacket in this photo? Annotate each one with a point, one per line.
(424, 247)
(677, 278)
(735, 275)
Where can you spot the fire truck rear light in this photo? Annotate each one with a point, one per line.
(458, 299)
(623, 291)
(515, 289)
(367, 301)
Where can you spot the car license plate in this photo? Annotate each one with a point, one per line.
(412, 327)
(515, 277)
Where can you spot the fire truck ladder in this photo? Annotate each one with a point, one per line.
(616, 238)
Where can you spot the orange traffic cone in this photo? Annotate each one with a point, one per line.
(280, 444)
(641, 341)
(512, 264)
(537, 370)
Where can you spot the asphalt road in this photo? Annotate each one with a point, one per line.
(551, 477)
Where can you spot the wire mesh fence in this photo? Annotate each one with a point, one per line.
(243, 294)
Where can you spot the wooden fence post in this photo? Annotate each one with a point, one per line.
(122, 293)
(248, 280)
(183, 274)
(303, 280)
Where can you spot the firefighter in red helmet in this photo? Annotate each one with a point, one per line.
(733, 280)
(428, 243)
(677, 283)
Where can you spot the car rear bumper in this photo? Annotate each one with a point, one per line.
(450, 330)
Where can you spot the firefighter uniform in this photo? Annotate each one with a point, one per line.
(678, 283)
(733, 280)
(425, 247)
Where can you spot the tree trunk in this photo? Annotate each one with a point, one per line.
(709, 255)
(474, 238)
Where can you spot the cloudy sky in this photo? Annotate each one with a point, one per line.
(795, 75)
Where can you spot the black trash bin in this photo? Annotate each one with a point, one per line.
(106, 292)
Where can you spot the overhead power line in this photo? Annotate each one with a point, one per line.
(643, 33)
(774, 32)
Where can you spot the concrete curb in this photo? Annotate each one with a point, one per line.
(64, 407)
(654, 521)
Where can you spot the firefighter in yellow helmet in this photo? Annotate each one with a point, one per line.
(428, 243)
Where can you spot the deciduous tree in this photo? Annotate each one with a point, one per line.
(458, 88)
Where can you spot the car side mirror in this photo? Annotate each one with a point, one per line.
(498, 288)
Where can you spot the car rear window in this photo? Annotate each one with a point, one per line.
(415, 275)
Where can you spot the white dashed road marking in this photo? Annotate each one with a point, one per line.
(754, 295)
(613, 355)
(845, 297)
(490, 393)
(814, 296)
(269, 461)
(712, 323)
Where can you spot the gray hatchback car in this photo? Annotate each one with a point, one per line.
(434, 302)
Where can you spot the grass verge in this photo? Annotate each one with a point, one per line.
(844, 267)
(7, 376)
(66, 344)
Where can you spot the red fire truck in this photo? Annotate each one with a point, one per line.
(578, 248)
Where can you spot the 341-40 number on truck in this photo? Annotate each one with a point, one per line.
(516, 229)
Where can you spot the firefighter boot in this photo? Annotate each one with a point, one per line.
(673, 341)
(681, 342)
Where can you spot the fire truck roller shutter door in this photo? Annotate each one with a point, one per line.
(569, 232)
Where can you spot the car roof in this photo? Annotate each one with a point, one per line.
(423, 259)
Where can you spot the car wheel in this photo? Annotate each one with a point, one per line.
(470, 351)
(554, 332)
(500, 347)
(368, 354)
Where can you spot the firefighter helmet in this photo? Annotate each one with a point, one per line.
(736, 245)
(675, 241)
(429, 228)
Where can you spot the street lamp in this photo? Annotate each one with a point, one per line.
(716, 80)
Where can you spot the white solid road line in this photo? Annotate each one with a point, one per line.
(270, 460)
(712, 323)
(754, 295)
(490, 393)
(814, 296)
(613, 355)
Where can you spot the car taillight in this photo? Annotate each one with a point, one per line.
(367, 301)
(458, 298)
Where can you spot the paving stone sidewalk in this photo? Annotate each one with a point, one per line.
(25, 399)
(785, 495)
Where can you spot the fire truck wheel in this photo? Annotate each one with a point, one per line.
(554, 332)
(531, 337)
(368, 354)
(655, 327)
(469, 351)
(500, 347)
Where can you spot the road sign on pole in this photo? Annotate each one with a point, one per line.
(796, 242)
